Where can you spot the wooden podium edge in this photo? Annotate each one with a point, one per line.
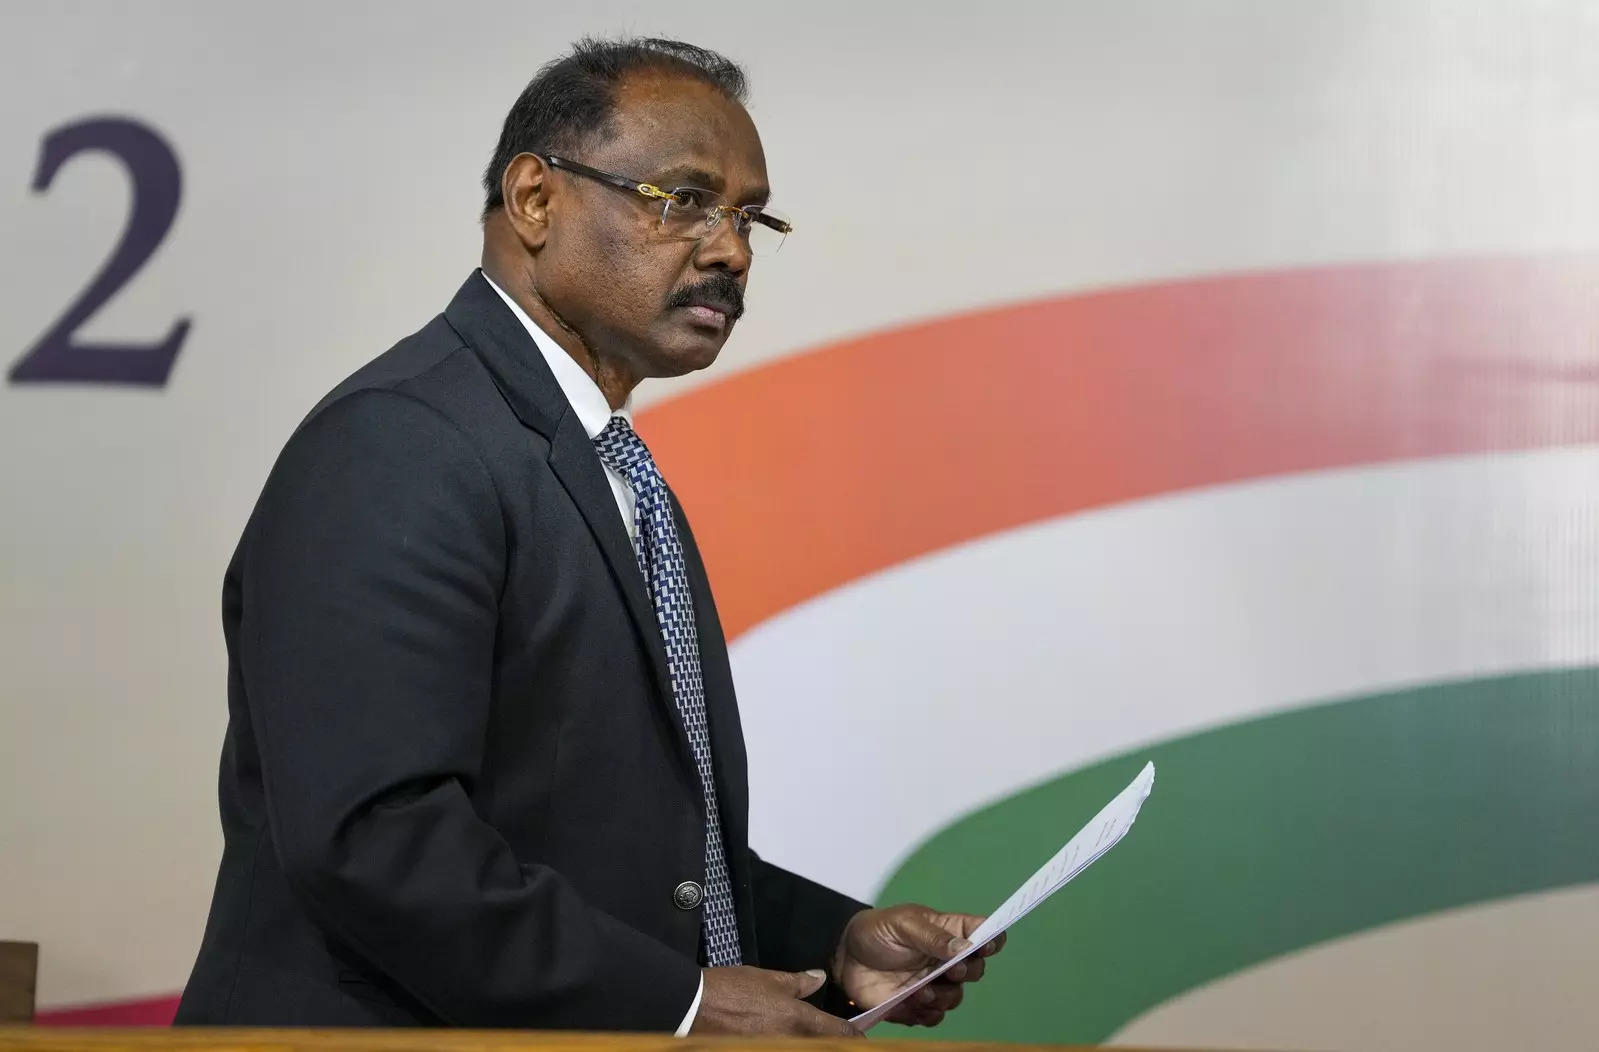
(227, 1039)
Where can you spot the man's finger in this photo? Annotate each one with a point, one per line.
(803, 984)
(909, 1014)
(936, 996)
(968, 971)
(916, 1012)
(965, 923)
(945, 997)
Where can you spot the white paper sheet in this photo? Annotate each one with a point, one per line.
(1093, 840)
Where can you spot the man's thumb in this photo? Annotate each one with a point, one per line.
(932, 939)
(808, 982)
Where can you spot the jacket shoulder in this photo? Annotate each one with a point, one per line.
(432, 365)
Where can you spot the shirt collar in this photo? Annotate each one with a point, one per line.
(582, 393)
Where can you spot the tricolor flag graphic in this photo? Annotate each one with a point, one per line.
(1323, 544)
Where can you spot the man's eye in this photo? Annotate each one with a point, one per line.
(688, 199)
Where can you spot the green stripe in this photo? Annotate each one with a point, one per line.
(1268, 836)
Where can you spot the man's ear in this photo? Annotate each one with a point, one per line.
(525, 186)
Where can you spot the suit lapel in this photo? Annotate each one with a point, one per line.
(485, 324)
(575, 463)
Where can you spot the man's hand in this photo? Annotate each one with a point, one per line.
(757, 1001)
(882, 950)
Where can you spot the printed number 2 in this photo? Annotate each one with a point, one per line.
(157, 184)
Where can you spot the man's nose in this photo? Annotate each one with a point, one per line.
(724, 248)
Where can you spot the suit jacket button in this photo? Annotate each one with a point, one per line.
(688, 895)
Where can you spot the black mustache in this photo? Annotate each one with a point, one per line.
(719, 292)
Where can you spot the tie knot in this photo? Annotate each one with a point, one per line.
(619, 446)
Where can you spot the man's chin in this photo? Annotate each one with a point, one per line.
(685, 356)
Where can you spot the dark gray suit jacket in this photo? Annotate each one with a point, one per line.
(455, 789)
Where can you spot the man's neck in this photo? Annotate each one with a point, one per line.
(614, 381)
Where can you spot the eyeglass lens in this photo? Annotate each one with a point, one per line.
(693, 214)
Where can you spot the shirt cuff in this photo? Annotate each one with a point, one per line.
(693, 1010)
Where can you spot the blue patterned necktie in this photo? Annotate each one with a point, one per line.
(660, 558)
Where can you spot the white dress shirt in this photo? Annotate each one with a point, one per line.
(594, 411)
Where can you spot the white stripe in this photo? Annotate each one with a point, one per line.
(883, 710)
(1511, 973)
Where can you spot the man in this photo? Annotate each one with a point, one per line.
(484, 764)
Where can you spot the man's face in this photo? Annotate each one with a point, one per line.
(609, 269)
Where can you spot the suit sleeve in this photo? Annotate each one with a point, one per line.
(797, 921)
(371, 582)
